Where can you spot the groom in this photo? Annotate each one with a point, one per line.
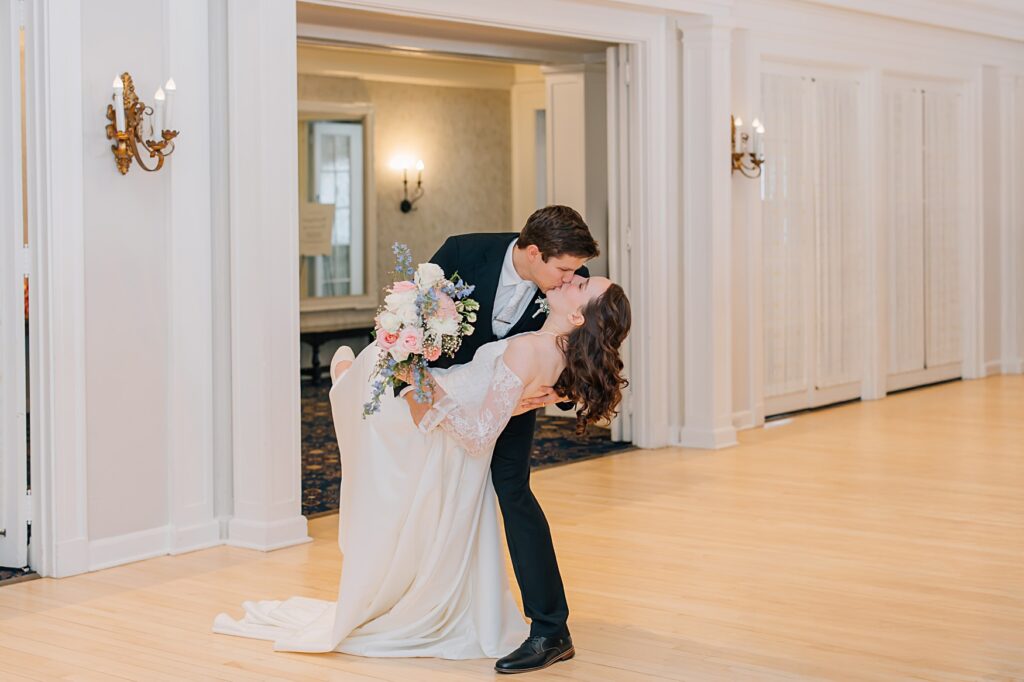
(511, 272)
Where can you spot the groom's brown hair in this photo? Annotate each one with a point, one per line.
(558, 231)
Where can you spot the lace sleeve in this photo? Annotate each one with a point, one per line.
(476, 428)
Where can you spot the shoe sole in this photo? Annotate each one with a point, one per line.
(564, 657)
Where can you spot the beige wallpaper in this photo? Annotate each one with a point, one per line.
(463, 136)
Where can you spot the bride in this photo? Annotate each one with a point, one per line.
(423, 571)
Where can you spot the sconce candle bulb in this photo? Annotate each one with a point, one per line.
(170, 88)
(404, 164)
(119, 104)
(158, 109)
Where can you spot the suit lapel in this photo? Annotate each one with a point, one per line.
(488, 275)
(531, 320)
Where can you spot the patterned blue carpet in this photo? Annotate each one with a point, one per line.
(555, 443)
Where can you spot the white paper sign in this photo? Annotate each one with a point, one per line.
(316, 223)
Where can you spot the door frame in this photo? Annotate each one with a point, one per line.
(14, 512)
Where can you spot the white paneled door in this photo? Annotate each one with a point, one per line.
(922, 210)
(813, 241)
(13, 462)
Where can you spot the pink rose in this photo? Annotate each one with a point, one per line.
(432, 353)
(446, 307)
(386, 339)
(411, 340)
(403, 286)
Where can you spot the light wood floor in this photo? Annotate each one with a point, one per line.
(875, 541)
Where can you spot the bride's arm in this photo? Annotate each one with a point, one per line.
(476, 428)
(417, 409)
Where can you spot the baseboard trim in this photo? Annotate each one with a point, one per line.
(128, 548)
(1013, 366)
(72, 558)
(266, 537)
(707, 439)
(151, 543)
(192, 538)
(743, 419)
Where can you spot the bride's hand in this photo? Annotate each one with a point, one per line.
(404, 374)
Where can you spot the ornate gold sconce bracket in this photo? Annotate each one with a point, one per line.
(134, 128)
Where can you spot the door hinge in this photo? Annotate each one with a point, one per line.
(629, 238)
(26, 509)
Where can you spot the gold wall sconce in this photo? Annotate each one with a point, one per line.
(132, 123)
(404, 164)
(747, 148)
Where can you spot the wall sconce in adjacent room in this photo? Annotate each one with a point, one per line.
(747, 161)
(404, 164)
(133, 123)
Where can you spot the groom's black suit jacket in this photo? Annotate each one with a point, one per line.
(477, 258)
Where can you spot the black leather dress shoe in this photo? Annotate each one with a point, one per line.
(536, 653)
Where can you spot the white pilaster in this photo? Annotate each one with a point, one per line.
(1010, 266)
(264, 275)
(190, 401)
(707, 240)
(876, 284)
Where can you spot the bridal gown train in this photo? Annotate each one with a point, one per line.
(423, 571)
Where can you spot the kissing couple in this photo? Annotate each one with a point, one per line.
(423, 571)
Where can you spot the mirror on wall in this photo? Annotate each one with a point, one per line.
(332, 248)
(336, 216)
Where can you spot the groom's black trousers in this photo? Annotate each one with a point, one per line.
(527, 531)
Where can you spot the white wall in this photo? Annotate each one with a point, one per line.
(126, 289)
(873, 48)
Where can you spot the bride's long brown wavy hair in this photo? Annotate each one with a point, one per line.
(592, 377)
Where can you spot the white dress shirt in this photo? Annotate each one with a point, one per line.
(507, 284)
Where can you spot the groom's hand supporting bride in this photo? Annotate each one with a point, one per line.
(546, 397)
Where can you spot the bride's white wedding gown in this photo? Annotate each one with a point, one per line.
(423, 571)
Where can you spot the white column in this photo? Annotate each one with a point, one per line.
(707, 240)
(263, 170)
(1012, 279)
(193, 523)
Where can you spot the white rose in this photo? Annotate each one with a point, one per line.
(445, 326)
(399, 353)
(428, 274)
(389, 322)
(396, 301)
(408, 315)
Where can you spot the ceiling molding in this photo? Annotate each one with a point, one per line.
(996, 18)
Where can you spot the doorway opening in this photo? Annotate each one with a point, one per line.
(485, 125)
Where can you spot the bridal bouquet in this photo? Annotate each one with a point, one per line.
(424, 316)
